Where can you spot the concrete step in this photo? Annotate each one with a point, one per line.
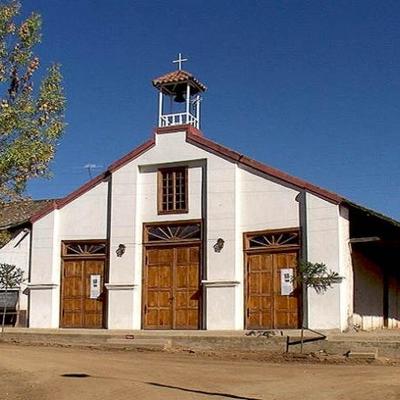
(205, 341)
(357, 355)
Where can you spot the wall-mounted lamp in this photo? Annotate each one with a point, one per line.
(219, 245)
(121, 250)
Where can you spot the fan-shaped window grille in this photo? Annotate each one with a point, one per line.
(85, 249)
(172, 233)
(273, 239)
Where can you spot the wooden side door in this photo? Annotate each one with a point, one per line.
(93, 307)
(78, 309)
(260, 291)
(171, 288)
(266, 308)
(187, 288)
(73, 287)
(286, 308)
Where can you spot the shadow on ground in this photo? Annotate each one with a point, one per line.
(75, 375)
(228, 395)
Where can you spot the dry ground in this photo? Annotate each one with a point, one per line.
(33, 373)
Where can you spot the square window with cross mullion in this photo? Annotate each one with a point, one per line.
(173, 191)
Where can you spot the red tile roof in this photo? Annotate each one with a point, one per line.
(177, 77)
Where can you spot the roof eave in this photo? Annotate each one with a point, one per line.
(369, 211)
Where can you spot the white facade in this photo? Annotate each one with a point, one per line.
(229, 197)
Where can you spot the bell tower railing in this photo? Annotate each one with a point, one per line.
(178, 119)
(190, 115)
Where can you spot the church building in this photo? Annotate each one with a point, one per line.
(184, 233)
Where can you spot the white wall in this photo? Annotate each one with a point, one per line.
(266, 204)
(326, 238)
(86, 216)
(44, 252)
(346, 270)
(44, 285)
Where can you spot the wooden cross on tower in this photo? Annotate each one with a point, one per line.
(180, 60)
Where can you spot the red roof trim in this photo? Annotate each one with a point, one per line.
(81, 190)
(43, 212)
(207, 144)
(132, 155)
(95, 181)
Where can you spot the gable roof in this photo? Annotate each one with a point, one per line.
(19, 212)
(196, 138)
(243, 160)
(57, 204)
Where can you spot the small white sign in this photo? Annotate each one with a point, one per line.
(95, 281)
(286, 281)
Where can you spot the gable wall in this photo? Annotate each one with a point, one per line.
(137, 204)
(231, 199)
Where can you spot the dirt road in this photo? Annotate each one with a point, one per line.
(33, 373)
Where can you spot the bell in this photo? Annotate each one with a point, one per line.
(179, 98)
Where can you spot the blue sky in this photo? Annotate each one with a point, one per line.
(310, 87)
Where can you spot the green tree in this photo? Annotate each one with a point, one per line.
(11, 277)
(315, 276)
(31, 117)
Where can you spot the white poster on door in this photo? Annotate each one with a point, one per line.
(286, 281)
(94, 286)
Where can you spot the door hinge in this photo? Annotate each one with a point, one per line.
(248, 312)
(145, 308)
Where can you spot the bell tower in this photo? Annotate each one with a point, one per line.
(179, 97)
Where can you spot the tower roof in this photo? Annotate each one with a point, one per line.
(177, 77)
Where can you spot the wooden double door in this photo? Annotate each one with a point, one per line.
(268, 306)
(171, 287)
(82, 293)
